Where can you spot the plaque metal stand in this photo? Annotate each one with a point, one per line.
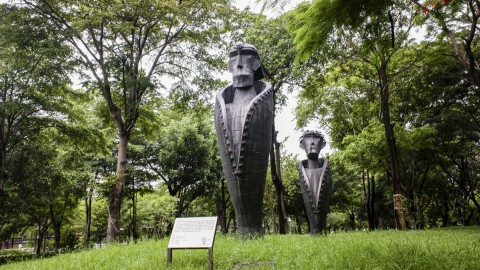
(193, 233)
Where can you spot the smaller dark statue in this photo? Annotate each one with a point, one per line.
(315, 181)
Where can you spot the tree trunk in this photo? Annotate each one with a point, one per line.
(351, 221)
(88, 217)
(42, 229)
(233, 217)
(392, 147)
(368, 187)
(134, 213)
(475, 202)
(277, 182)
(409, 192)
(222, 208)
(116, 193)
(371, 203)
(3, 170)
(57, 235)
(281, 190)
(299, 225)
(39, 243)
(444, 213)
(3, 142)
(419, 203)
(56, 221)
(274, 215)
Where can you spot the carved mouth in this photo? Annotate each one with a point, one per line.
(242, 80)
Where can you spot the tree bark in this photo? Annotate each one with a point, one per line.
(56, 221)
(88, 217)
(446, 209)
(475, 202)
(222, 208)
(3, 173)
(57, 236)
(276, 174)
(368, 186)
(277, 182)
(42, 229)
(299, 225)
(371, 202)
(134, 213)
(3, 140)
(392, 147)
(116, 193)
(39, 242)
(419, 204)
(351, 220)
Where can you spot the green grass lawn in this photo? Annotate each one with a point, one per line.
(430, 249)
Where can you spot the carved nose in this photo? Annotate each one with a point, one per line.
(239, 62)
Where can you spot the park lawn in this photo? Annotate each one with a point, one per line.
(457, 248)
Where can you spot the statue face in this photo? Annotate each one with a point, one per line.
(312, 144)
(242, 67)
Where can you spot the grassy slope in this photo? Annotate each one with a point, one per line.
(432, 249)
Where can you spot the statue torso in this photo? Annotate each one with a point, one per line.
(236, 113)
(241, 117)
(313, 177)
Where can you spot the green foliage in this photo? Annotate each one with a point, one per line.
(44, 192)
(274, 45)
(44, 134)
(317, 24)
(54, 142)
(346, 201)
(14, 255)
(339, 97)
(186, 159)
(127, 49)
(430, 104)
(156, 212)
(368, 149)
(99, 219)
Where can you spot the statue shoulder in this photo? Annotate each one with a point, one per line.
(322, 161)
(303, 163)
(261, 86)
(226, 94)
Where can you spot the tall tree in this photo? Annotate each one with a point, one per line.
(34, 66)
(374, 40)
(49, 188)
(126, 46)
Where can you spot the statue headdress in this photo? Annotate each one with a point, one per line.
(245, 48)
(313, 133)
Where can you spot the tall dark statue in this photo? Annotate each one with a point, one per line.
(315, 180)
(243, 122)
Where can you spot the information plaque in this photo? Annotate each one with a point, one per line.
(193, 233)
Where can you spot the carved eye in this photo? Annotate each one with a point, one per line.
(244, 60)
